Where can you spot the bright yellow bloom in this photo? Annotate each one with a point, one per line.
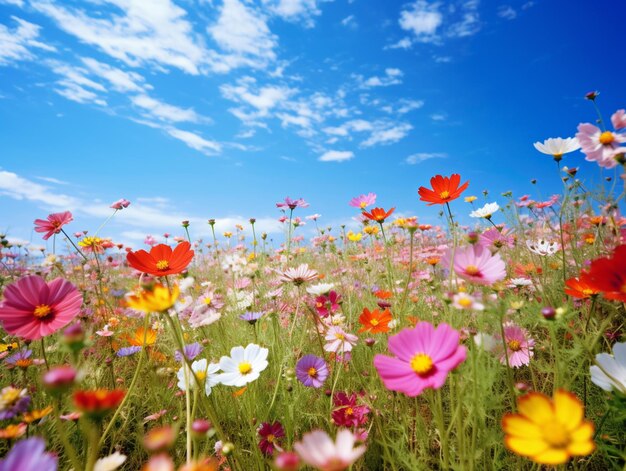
(549, 431)
(33, 416)
(90, 242)
(470, 199)
(158, 299)
(354, 237)
(8, 347)
(371, 230)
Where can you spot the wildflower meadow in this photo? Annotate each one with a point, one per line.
(391, 345)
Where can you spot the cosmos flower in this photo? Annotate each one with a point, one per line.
(318, 450)
(251, 317)
(608, 275)
(243, 366)
(13, 401)
(190, 351)
(339, 341)
(128, 351)
(204, 371)
(327, 304)
(292, 204)
(53, 224)
(557, 147)
(600, 146)
(486, 211)
(378, 214)
(120, 204)
(519, 346)
(98, 402)
(494, 240)
(29, 455)
(363, 201)
(33, 308)
(110, 463)
(270, 437)
(20, 359)
(609, 372)
(444, 189)
(542, 247)
(320, 288)
(347, 412)
(581, 287)
(298, 275)
(162, 260)
(548, 431)
(158, 299)
(618, 119)
(466, 302)
(375, 321)
(312, 371)
(424, 355)
(477, 264)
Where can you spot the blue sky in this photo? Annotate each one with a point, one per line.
(197, 109)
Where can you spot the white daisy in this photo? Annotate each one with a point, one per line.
(519, 282)
(610, 372)
(320, 288)
(542, 247)
(557, 146)
(486, 211)
(110, 462)
(204, 371)
(243, 366)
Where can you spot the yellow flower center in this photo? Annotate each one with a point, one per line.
(514, 345)
(556, 435)
(363, 205)
(340, 336)
(422, 364)
(245, 368)
(465, 302)
(349, 411)
(10, 396)
(270, 438)
(207, 301)
(606, 138)
(312, 372)
(472, 270)
(444, 195)
(201, 375)
(162, 265)
(374, 322)
(25, 363)
(42, 310)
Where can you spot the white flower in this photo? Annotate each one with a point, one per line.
(610, 371)
(488, 342)
(557, 146)
(486, 211)
(185, 284)
(110, 463)
(338, 340)
(320, 288)
(239, 300)
(466, 302)
(318, 450)
(234, 262)
(519, 282)
(205, 372)
(243, 366)
(542, 247)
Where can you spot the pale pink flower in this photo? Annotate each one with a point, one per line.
(298, 275)
(466, 302)
(318, 450)
(120, 204)
(292, 204)
(477, 264)
(600, 146)
(519, 346)
(363, 201)
(339, 340)
(619, 119)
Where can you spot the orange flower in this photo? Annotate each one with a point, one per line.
(137, 338)
(444, 189)
(13, 431)
(375, 321)
(378, 214)
(382, 294)
(98, 402)
(580, 287)
(162, 260)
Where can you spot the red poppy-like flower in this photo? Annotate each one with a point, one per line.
(375, 321)
(98, 402)
(444, 189)
(581, 287)
(378, 214)
(53, 223)
(162, 260)
(608, 275)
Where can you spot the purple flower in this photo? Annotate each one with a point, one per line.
(29, 455)
(251, 317)
(13, 401)
(292, 204)
(20, 358)
(191, 351)
(312, 371)
(363, 201)
(128, 351)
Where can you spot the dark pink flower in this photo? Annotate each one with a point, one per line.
(270, 435)
(53, 224)
(348, 412)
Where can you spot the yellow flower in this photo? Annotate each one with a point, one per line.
(4, 347)
(371, 230)
(354, 237)
(158, 299)
(33, 416)
(228, 234)
(90, 242)
(470, 199)
(549, 431)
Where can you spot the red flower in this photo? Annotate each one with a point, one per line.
(581, 287)
(53, 223)
(444, 189)
(270, 436)
(162, 260)
(347, 411)
(608, 275)
(98, 402)
(378, 214)
(375, 321)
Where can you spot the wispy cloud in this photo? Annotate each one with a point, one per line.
(507, 12)
(336, 156)
(166, 112)
(423, 156)
(17, 44)
(392, 77)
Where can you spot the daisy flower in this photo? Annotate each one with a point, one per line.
(466, 302)
(110, 463)
(13, 401)
(486, 211)
(542, 247)
(318, 450)
(204, 371)
(609, 372)
(600, 146)
(243, 366)
(557, 147)
(339, 341)
(320, 288)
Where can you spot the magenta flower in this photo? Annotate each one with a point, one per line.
(29, 455)
(53, 224)
(292, 204)
(33, 308)
(423, 358)
(494, 240)
(120, 204)
(270, 436)
(318, 450)
(312, 371)
(476, 263)
(363, 201)
(519, 346)
(327, 304)
(598, 146)
(347, 411)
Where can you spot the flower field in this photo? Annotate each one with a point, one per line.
(395, 345)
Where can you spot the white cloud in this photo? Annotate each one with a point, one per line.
(120, 80)
(195, 141)
(507, 12)
(52, 180)
(17, 3)
(16, 44)
(349, 22)
(404, 43)
(145, 33)
(405, 106)
(423, 156)
(243, 33)
(438, 116)
(392, 77)
(18, 188)
(294, 10)
(163, 111)
(387, 134)
(336, 156)
(75, 86)
(422, 19)
(470, 22)
(262, 98)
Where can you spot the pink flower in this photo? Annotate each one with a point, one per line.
(292, 204)
(318, 450)
(494, 240)
(363, 201)
(598, 146)
(298, 275)
(619, 119)
(33, 308)
(423, 358)
(120, 204)
(339, 341)
(476, 263)
(53, 224)
(519, 345)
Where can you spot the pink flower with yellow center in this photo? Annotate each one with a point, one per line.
(477, 264)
